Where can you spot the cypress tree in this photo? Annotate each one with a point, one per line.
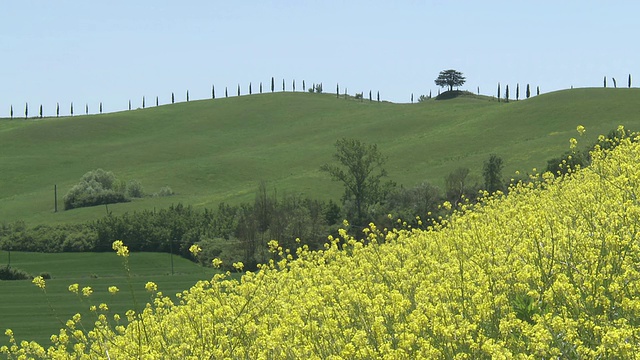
(615, 84)
(303, 86)
(238, 89)
(498, 92)
(412, 98)
(249, 88)
(58, 109)
(605, 81)
(129, 104)
(337, 90)
(226, 94)
(517, 91)
(26, 110)
(282, 84)
(143, 103)
(187, 95)
(528, 91)
(40, 111)
(370, 96)
(294, 85)
(156, 103)
(86, 109)
(537, 90)
(378, 96)
(11, 111)
(629, 83)
(173, 98)
(72, 108)
(429, 94)
(345, 93)
(273, 84)
(101, 105)
(213, 92)
(478, 90)
(260, 87)
(506, 93)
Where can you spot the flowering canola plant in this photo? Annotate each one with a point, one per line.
(550, 271)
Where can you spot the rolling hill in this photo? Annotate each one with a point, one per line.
(212, 151)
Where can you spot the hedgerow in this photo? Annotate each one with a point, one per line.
(550, 271)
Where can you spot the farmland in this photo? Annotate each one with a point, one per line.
(97, 270)
(212, 151)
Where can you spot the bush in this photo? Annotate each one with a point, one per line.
(9, 273)
(359, 95)
(45, 238)
(98, 187)
(165, 191)
(134, 189)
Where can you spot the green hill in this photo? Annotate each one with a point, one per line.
(210, 151)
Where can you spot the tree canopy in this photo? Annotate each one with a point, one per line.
(360, 170)
(450, 78)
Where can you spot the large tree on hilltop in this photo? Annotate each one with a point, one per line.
(450, 78)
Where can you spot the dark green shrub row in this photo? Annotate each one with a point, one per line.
(11, 273)
(46, 238)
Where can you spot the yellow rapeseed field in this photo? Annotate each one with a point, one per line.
(550, 271)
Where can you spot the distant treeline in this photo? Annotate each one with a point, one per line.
(314, 88)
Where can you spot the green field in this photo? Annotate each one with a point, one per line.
(210, 151)
(33, 316)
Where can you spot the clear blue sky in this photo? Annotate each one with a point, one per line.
(113, 51)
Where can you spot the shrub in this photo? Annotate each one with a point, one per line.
(134, 189)
(165, 191)
(98, 187)
(9, 273)
(359, 95)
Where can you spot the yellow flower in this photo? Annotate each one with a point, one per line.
(39, 282)
(87, 291)
(113, 290)
(216, 263)
(581, 130)
(74, 288)
(103, 307)
(151, 286)
(195, 249)
(120, 248)
(573, 143)
(238, 265)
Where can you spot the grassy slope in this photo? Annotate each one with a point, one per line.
(218, 150)
(25, 308)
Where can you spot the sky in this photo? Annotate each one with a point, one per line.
(87, 52)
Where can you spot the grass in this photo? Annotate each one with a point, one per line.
(33, 315)
(212, 151)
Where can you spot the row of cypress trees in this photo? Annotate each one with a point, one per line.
(173, 98)
(615, 84)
